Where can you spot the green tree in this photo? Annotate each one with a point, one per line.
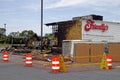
(27, 33)
(50, 36)
(13, 38)
(14, 34)
(17, 37)
(9, 39)
(2, 38)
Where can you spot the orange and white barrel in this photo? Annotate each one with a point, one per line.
(55, 64)
(28, 60)
(109, 61)
(5, 56)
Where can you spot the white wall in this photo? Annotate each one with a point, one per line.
(110, 35)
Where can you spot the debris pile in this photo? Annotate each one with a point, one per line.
(37, 55)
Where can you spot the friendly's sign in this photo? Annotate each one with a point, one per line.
(90, 25)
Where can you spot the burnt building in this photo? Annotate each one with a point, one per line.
(71, 29)
(87, 36)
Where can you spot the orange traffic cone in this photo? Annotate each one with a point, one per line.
(29, 60)
(55, 64)
(109, 61)
(5, 56)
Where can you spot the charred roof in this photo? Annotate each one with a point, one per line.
(56, 23)
(92, 16)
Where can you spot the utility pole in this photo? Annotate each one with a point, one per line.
(41, 24)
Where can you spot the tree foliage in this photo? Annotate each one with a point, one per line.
(2, 38)
(50, 36)
(27, 33)
(16, 37)
(14, 34)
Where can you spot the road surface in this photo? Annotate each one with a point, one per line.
(11, 71)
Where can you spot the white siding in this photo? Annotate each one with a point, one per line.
(110, 35)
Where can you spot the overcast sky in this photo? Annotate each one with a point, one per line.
(22, 15)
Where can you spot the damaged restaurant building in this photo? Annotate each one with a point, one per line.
(87, 36)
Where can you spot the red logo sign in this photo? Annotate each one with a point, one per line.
(91, 25)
